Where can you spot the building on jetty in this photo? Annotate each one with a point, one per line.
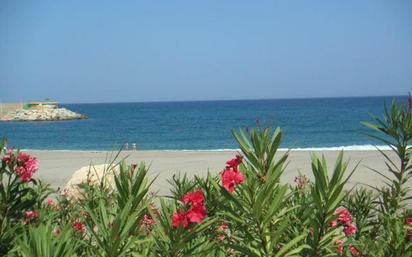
(42, 105)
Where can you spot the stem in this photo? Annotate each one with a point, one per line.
(319, 235)
(263, 238)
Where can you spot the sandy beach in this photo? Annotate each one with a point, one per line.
(57, 167)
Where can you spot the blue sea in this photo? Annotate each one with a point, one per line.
(321, 123)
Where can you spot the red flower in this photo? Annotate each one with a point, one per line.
(197, 213)
(230, 179)
(354, 251)
(234, 163)
(179, 218)
(350, 230)
(78, 226)
(193, 197)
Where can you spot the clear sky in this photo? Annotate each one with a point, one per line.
(122, 51)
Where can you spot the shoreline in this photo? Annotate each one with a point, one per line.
(57, 167)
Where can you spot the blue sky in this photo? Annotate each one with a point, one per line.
(123, 51)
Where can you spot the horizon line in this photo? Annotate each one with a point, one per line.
(216, 100)
(234, 100)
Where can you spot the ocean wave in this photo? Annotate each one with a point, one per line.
(332, 148)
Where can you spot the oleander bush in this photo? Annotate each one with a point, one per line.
(245, 210)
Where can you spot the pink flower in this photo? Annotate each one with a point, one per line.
(193, 197)
(230, 179)
(8, 158)
(223, 227)
(32, 165)
(221, 237)
(78, 227)
(339, 247)
(50, 202)
(354, 251)
(334, 223)
(30, 215)
(301, 181)
(56, 232)
(350, 230)
(408, 222)
(23, 174)
(197, 213)
(344, 215)
(26, 166)
(180, 219)
(147, 222)
(23, 157)
(234, 163)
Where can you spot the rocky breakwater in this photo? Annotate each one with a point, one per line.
(47, 114)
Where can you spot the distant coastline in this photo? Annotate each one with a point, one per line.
(400, 96)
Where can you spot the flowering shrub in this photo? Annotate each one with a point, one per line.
(244, 211)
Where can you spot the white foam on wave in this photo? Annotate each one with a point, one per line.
(333, 148)
(344, 148)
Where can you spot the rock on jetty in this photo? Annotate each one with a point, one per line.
(47, 114)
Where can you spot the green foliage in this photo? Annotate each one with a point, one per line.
(395, 130)
(41, 241)
(112, 221)
(15, 199)
(258, 209)
(362, 204)
(327, 193)
(259, 148)
(173, 242)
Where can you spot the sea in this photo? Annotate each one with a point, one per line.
(307, 124)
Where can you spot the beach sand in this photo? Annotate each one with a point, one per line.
(57, 167)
